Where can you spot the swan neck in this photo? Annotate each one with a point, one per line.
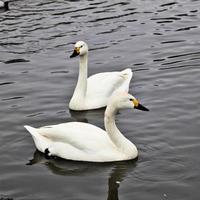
(111, 128)
(122, 143)
(81, 87)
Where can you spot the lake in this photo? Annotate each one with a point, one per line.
(158, 40)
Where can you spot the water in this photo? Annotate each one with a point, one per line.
(159, 40)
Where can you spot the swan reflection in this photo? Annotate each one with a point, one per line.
(87, 116)
(118, 170)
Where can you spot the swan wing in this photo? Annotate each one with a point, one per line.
(78, 134)
(74, 141)
(101, 86)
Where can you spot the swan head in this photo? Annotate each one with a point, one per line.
(125, 100)
(80, 48)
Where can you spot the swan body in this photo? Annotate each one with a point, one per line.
(95, 91)
(75, 141)
(86, 142)
(4, 5)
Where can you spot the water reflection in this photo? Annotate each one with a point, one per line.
(87, 116)
(117, 175)
(118, 170)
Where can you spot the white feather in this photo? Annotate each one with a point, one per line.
(95, 91)
(86, 142)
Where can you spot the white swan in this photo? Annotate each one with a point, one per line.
(86, 142)
(4, 5)
(94, 92)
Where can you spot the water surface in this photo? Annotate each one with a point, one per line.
(159, 40)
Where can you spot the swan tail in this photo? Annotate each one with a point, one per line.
(40, 141)
(31, 130)
(127, 76)
(127, 73)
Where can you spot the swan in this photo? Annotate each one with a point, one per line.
(85, 142)
(4, 5)
(94, 92)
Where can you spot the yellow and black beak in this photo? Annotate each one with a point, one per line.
(76, 52)
(139, 106)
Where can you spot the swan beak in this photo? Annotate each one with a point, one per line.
(76, 52)
(139, 106)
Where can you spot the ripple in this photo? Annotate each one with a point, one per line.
(136, 64)
(35, 114)
(16, 60)
(98, 48)
(12, 98)
(75, 11)
(159, 171)
(172, 62)
(45, 3)
(159, 40)
(193, 11)
(186, 28)
(172, 41)
(10, 43)
(6, 83)
(78, 16)
(184, 54)
(166, 18)
(178, 67)
(182, 15)
(102, 11)
(113, 17)
(164, 21)
(63, 23)
(139, 34)
(131, 20)
(98, 3)
(60, 72)
(168, 4)
(111, 31)
(115, 4)
(159, 60)
(157, 33)
(161, 10)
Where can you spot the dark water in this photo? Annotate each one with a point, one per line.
(159, 40)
